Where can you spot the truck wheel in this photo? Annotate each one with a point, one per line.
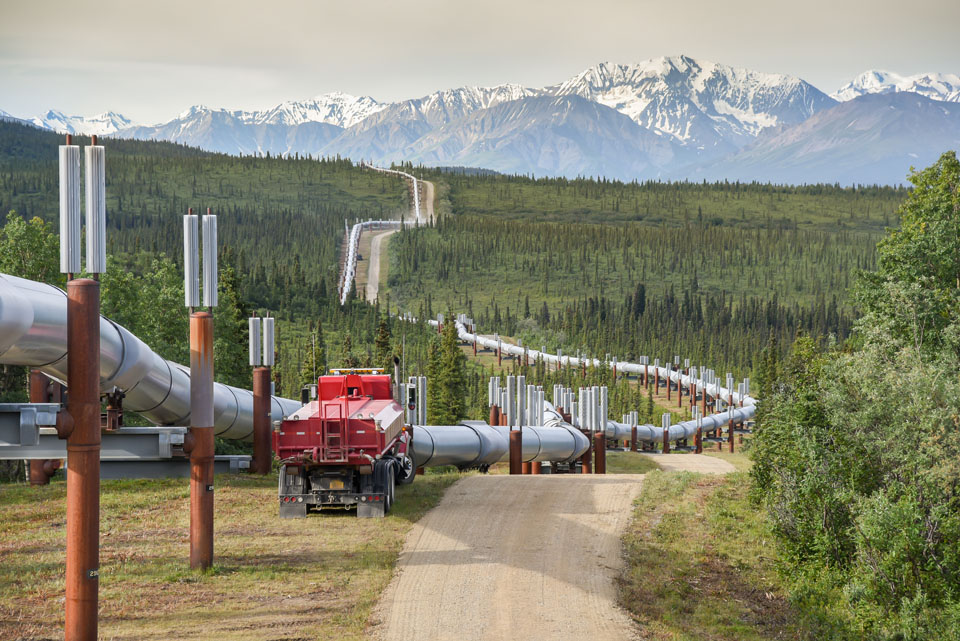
(406, 470)
(384, 481)
(391, 488)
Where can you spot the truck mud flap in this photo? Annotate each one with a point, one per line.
(293, 510)
(368, 510)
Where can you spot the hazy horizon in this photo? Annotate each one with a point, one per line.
(85, 59)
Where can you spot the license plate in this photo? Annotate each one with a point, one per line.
(336, 485)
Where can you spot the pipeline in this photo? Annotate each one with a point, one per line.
(476, 444)
(617, 430)
(33, 332)
(411, 178)
(349, 272)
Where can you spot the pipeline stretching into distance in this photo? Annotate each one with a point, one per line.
(349, 272)
(740, 406)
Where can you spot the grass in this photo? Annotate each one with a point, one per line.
(316, 578)
(629, 463)
(700, 561)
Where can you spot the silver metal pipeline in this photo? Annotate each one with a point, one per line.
(474, 443)
(707, 383)
(349, 273)
(33, 332)
(684, 430)
(411, 178)
(713, 389)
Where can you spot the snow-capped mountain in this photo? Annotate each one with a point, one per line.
(560, 135)
(386, 133)
(673, 116)
(100, 125)
(936, 86)
(237, 132)
(874, 138)
(698, 103)
(340, 109)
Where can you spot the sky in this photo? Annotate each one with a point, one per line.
(152, 60)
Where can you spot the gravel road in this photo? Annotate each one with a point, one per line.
(504, 557)
(373, 271)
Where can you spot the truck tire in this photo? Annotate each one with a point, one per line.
(384, 481)
(406, 470)
(391, 484)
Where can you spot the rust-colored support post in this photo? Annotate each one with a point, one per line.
(656, 382)
(499, 355)
(41, 469)
(201, 431)
(698, 441)
(586, 461)
(600, 453)
(494, 415)
(535, 467)
(645, 380)
(693, 393)
(666, 441)
(262, 454)
(526, 467)
(730, 435)
(83, 460)
(516, 452)
(704, 405)
(633, 438)
(669, 372)
(474, 345)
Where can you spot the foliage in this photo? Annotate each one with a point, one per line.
(572, 273)
(857, 451)
(447, 387)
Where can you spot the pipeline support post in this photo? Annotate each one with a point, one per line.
(516, 452)
(201, 432)
(83, 460)
(666, 440)
(40, 470)
(262, 455)
(600, 453)
(633, 438)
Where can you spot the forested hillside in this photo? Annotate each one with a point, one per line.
(281, 225)
(281, 219)
(710, 272)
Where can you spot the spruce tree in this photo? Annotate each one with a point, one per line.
(383, 345)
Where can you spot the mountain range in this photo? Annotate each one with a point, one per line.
(672, 118)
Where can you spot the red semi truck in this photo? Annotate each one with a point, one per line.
(347, 448)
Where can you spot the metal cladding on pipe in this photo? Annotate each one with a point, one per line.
(33, 333)
(96, 209)
(254, 333)
(202, 447)
(83, 461)
(209, 261)
(422, 394)
(191, 261)
(269, 344)
(69, 209)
